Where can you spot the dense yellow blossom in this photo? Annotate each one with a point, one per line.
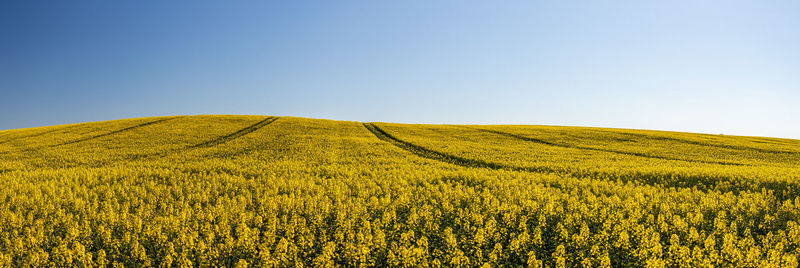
(255, 191)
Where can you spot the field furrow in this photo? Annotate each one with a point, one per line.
(237, 134)
(784, 189)
(443, 157)
(33, 135)
(709, 144)
(525, 138)
(114, 132)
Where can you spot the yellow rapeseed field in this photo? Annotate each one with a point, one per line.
(262, 191)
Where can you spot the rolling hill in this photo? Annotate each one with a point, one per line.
(238, 191)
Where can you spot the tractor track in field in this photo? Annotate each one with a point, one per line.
(698, 143)
(236, 134)
(217, 141)
(445, 157)
(61, 129)
(220, 140)
(115, 132)
(42, 133)
(783, 190)
(529, 139)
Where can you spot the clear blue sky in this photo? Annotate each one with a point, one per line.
(729, 67)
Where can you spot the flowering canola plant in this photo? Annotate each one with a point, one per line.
(262, 191)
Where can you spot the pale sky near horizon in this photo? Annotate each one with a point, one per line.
(729, 67)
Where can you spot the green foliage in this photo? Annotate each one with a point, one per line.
(253, 191)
